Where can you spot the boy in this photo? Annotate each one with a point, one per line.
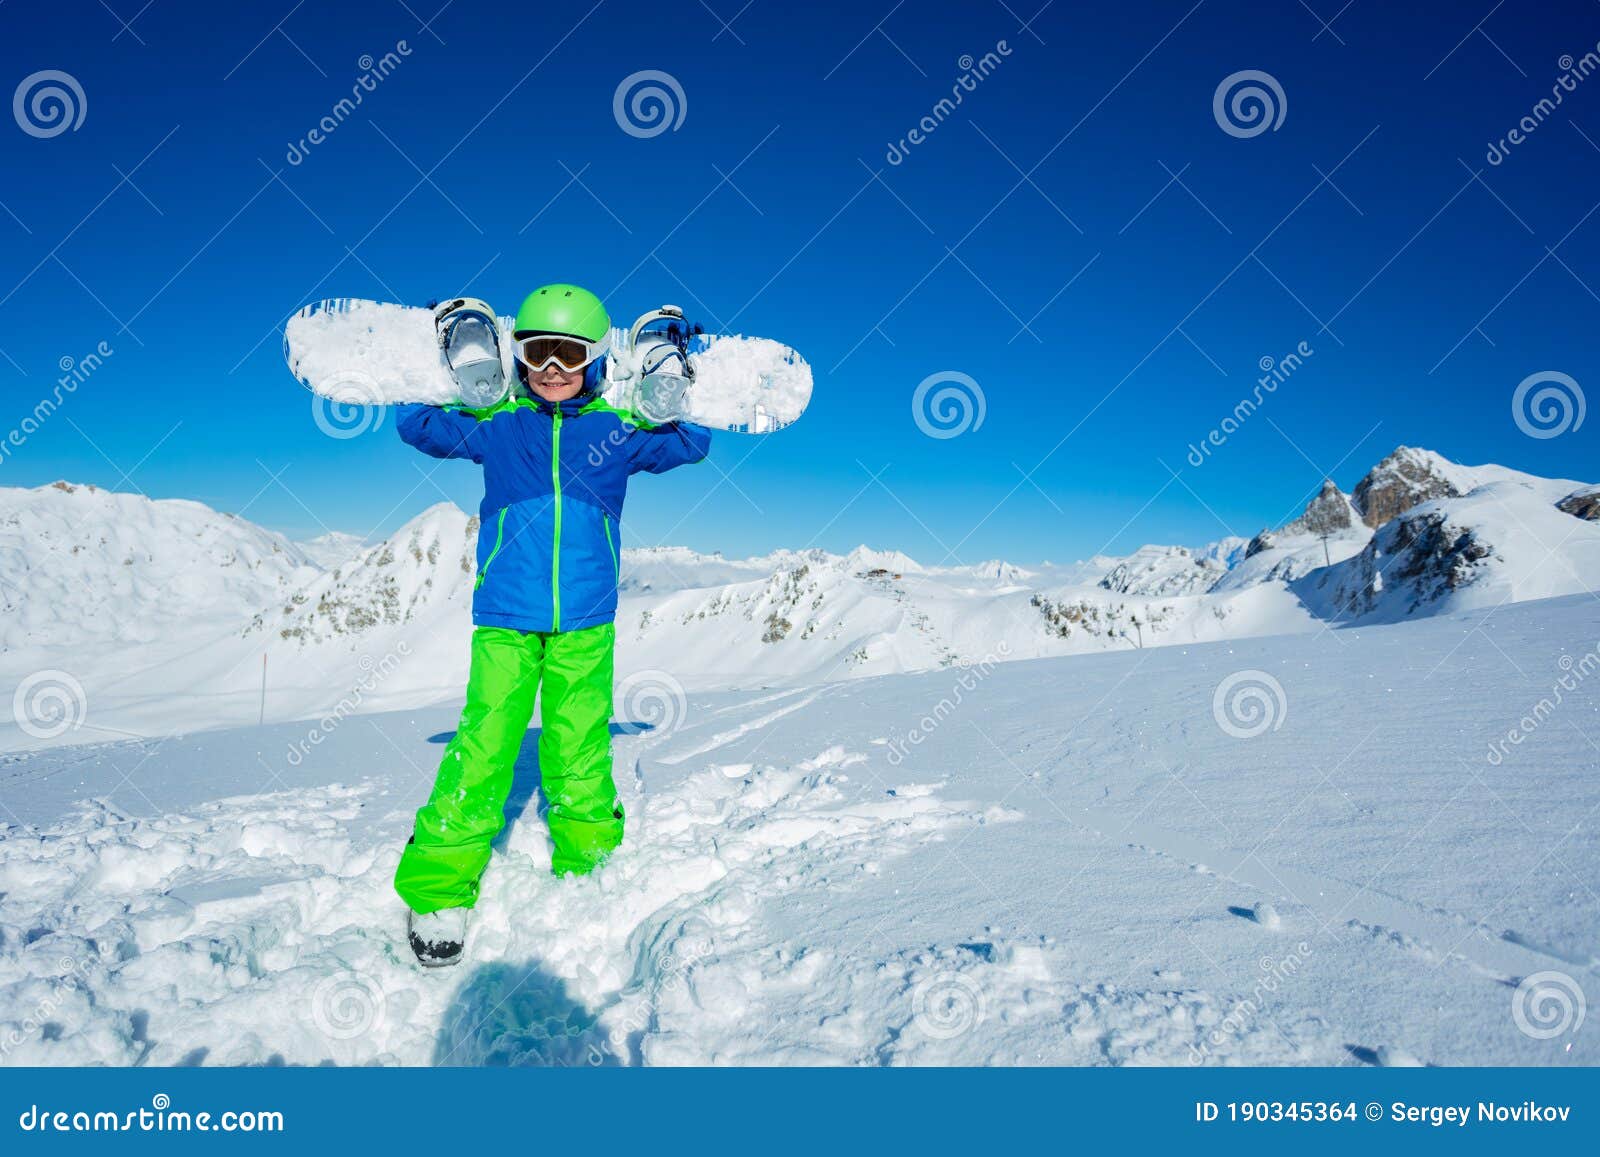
(556, 464)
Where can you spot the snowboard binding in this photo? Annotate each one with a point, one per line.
(656, 366)
(663, 349)
(469, 343)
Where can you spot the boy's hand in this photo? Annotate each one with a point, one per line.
(661, 398)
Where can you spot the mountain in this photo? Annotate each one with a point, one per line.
(424, 569)
(1508, 538)
(81, 565)
(1406, 478)
(173, 616)
(1163, 570)
(1330, 512)
(331, 549)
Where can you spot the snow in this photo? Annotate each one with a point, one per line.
(1505, 540)
(1082, 867)
(80, 565)
(345, 628)
(1327, 803)
(331, 549)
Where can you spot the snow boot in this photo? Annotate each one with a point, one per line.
(437, 937)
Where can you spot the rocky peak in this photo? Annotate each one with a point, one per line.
(1262, 541)
(1584, 504)
(1404, 479)
(1330, 512)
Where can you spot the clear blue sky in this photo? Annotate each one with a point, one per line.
(171, 225)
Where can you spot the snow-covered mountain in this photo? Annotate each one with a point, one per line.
(424, 570)
(81, 565)
(331, 549)
(1507, 537)
(1163, 570)
(189, 613)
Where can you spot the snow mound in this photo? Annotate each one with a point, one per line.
(263, 928)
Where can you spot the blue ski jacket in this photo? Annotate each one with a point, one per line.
(554, 479)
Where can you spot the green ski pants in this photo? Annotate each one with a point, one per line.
(449, 847)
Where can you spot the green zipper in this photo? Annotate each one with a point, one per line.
(616, 567)
(555, 555)
(499, 536)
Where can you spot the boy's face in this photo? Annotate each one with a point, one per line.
(555, 384)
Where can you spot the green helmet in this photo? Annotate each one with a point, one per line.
(565, 309)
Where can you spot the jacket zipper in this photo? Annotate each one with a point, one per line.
(499, 537)
(616, 566)
(555, 555)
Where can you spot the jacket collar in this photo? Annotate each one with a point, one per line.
(570, 408)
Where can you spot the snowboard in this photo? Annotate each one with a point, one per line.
(373, 353)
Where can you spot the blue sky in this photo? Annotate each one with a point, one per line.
(1080, 237)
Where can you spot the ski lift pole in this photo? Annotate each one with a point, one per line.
(262, 717)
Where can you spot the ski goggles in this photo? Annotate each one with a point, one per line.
(538, 351)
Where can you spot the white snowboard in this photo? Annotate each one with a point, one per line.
(374, 353)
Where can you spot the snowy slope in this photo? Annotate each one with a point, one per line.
(1095, 860)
